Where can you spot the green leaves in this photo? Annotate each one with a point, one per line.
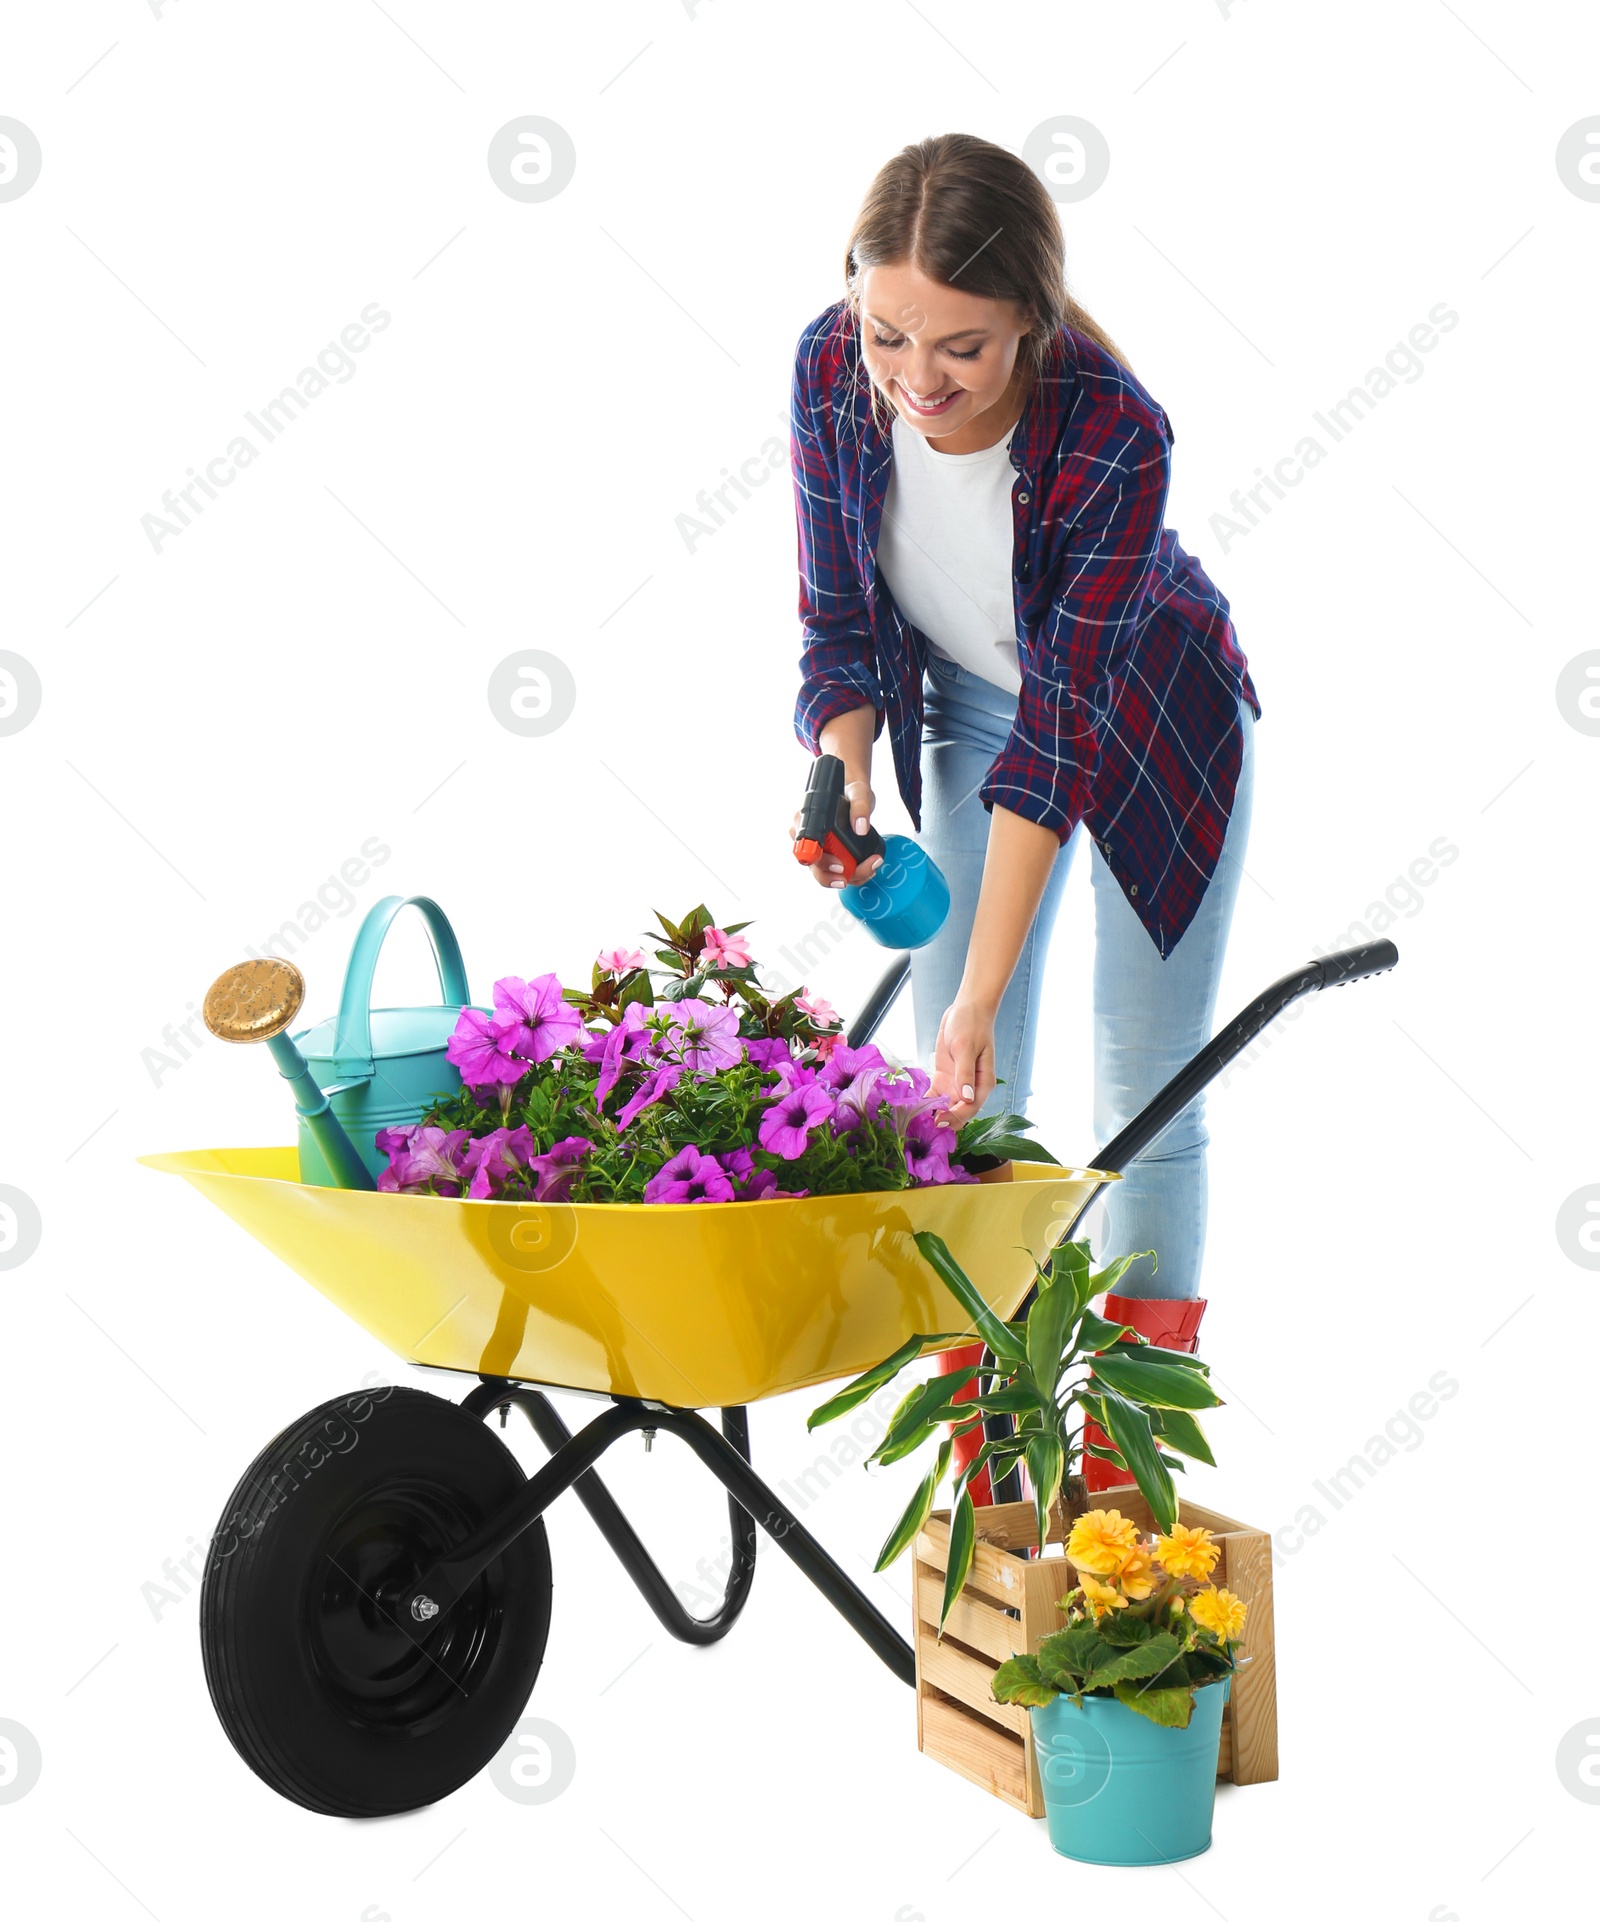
(985, 1322)
(963, 1539)
(1152, 1383)
(997, 1138)
(1168, 1707)
(1070, 1264)
(905, 1531)
(918, 1415)
(1140, 1662)
(1181, 1431)
(1066, 1658)
(1019, 1681)
(1129, 1428)
(1049, 1321)
(1046, 1459)
(874, 1378)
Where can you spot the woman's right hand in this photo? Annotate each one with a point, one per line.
(828, 870)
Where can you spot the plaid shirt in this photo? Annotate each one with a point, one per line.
(1128, 717)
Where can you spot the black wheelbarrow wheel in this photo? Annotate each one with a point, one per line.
(324, 1693)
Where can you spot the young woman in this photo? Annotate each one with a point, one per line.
(980, 485)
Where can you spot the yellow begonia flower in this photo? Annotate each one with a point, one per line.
(1101, 1541)
(1136, 1577)
(1187, 1551)
(1219, 1610)
(1100, 1597)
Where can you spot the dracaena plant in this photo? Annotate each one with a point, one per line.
(1050, 1369)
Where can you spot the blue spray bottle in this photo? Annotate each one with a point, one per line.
(905, 903)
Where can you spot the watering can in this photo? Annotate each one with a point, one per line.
(381, 1067)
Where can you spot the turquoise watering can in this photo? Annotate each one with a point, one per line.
(381, 1067)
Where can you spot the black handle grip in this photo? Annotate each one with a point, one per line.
(1354, 964)
(826, 810)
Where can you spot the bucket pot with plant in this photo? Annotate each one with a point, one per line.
(1124, 1751)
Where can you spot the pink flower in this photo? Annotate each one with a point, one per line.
(823, 1013)
(690, 1176)
(538, 1006)
(484, 1049)
(724, 950)
(619, 960)
(704, 1037)
(786, 1126)
(649, 1091)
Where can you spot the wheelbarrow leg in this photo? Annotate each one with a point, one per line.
(437, 1588)
(803, 1549)
(618, 1531)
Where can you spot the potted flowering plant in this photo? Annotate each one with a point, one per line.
(1126, 1700)
(1143, 1397)
(682, 1083)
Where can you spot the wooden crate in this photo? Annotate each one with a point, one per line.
(1008, 1606)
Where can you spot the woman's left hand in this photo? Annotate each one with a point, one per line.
(963, 1059)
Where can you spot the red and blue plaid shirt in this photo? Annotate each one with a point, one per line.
(1128, 717)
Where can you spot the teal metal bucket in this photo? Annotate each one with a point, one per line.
(381, 1067)
(1120, 1790)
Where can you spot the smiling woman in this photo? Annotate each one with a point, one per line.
(984, 574)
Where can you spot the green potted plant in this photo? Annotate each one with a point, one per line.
(1061, 1361)
(1127, 1763)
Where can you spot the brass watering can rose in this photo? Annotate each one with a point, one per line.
(254, 1000)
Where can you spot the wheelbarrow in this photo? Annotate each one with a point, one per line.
(376, 1598)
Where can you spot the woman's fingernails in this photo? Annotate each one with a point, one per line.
(836, 867)
(861, 824)
(966, 1094)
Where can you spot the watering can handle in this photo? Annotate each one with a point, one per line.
(352, 1042)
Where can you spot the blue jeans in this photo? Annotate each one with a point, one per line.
(1150, 1015)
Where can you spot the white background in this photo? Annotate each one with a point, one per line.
(226, 721)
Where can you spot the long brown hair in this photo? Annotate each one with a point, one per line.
(972, 215)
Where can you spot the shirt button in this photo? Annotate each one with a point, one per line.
(1022, 500)
(1133, 892)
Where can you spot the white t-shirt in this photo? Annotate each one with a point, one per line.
(945, 549)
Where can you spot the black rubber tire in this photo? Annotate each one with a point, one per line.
(324, 1697)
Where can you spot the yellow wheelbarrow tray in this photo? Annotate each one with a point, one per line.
(377, 1594)
(694, 1304)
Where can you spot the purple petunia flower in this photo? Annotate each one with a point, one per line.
(761, 1186)
(557, 1170)
(738, 1163)
(845, 1063)
(550, 1022)
(650, 1090)
(769, 1051)
(484, 1048)
(690, 1176)
(422, 1159)
(494, 1160)
(631, 1036)
(703, 1036)
(929, 1142)
(786, 1126)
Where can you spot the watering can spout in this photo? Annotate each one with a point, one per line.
(256, 1001)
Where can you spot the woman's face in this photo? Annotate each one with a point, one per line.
(943, 357)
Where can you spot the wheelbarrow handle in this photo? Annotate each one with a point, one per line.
(1153, 1120)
